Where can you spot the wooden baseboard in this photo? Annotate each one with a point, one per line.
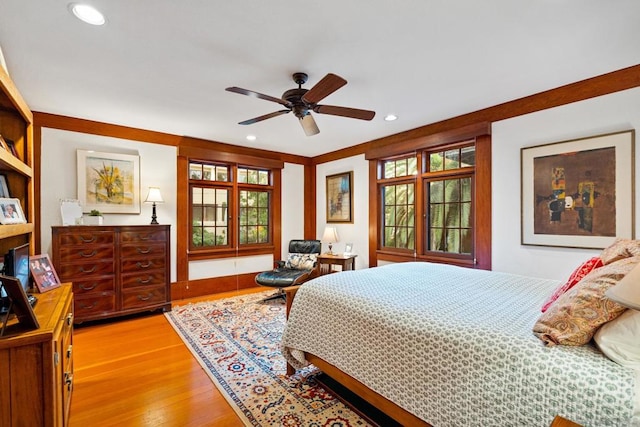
(214, 285)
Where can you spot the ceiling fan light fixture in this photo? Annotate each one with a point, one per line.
(86, 13)
(309, 125)
(390, 118)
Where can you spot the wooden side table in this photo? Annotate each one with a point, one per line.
(326, 261)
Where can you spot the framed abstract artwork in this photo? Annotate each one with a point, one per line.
(340, 197)
(108, 182)
(578, 193)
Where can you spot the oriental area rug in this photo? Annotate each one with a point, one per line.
(237, 342)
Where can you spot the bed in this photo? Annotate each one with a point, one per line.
(453, 346)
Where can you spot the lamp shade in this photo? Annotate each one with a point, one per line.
(154, 196)
(627, 291)
(330, 235)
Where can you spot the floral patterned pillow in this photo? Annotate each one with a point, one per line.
(301, 261)
(579, 312)
(619, 249)
(579, 273)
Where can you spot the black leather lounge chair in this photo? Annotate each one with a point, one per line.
(300, 266)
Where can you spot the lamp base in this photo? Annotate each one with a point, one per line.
(154, 217)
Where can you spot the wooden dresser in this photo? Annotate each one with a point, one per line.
(36, 367)
(115, 270)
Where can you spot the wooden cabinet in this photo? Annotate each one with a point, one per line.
(115, 270)
(36, 367)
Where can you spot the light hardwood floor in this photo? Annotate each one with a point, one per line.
(138, 372)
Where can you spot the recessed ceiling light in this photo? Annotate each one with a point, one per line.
(251, 137)
(390, 117)
(86, 13)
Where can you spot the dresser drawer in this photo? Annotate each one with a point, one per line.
(141, 265)
(71, 254)
(142, 250)
(90, 305)
(138, 236)
(87, 237)
(133, 280)
(143, 296)
(98, 284)
(73, 271)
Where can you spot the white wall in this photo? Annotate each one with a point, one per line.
(606, 114)
(59, 179)
(158, 169)
(293, 212)
(358, 232)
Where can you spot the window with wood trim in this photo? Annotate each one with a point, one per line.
(398, 198)
(448, 183)
(222, 193)
(444, 208)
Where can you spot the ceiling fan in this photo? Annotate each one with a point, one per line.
(303, 101)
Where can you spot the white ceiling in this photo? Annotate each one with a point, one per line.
(163, 65)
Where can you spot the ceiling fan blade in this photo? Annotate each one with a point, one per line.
(309, 125)
(325, 87)
(257, 95)
(353, 113)
(265, 117)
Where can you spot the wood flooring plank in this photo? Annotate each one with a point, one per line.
(137, 372)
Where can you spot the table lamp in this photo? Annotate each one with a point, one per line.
(154, 197)
(330, 236)
(627, 291)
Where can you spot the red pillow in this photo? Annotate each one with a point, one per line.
(586, 268)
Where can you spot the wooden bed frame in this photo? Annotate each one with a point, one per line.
(382, 403)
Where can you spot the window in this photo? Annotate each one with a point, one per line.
(449, 188)
(444, 207)
(213, 210)
(398, 195)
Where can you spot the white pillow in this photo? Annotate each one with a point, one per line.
(301, 261)
(619, 339)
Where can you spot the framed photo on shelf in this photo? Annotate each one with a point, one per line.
(578, 193)
(19, 302)
(4, 187)
(11, 211)
(340, 197)
(11, 146)
(108, 182)
(44, 275)
(3, 143)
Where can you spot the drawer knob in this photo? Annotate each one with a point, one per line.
(88, 306)
(143, 251)
(69, 351)
(68, 380)
(91, 270)
(141, 265)
(88, 287)
(145, 297)
(147, 280)
(89, 240)
(88, 255)
(69, 319)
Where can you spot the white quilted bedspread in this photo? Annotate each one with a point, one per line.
(455, 347)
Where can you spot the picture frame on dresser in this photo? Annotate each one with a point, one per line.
(19, 303)
(43, 272)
